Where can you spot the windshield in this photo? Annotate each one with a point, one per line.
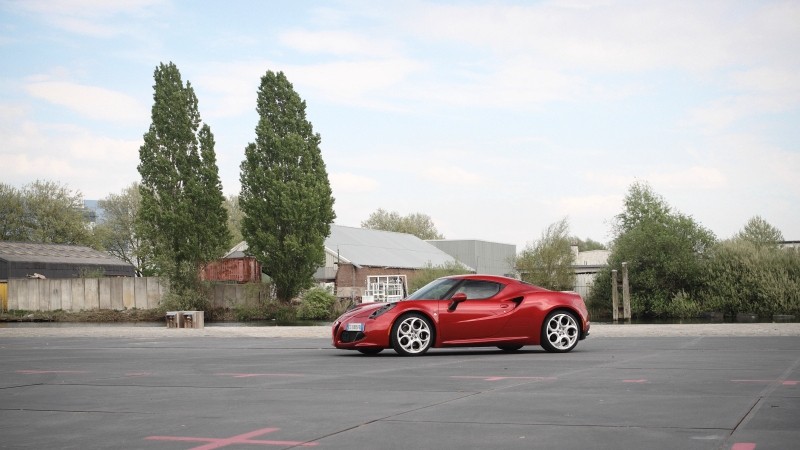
(435, 290)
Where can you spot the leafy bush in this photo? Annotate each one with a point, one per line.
(744, 277)
(187, 299)
(316, 304)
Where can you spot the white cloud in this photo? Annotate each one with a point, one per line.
(691, 178)
(338, 43)
(625, 36)
(91, 101)
(452, 175)
(348, 183)
(89, 17)
(367, 83)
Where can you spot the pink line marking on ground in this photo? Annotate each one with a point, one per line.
(743, 446)
(245, 438)
(250, 375)
(35, 372)
(641, 380)
(497, 378)
(785, 382)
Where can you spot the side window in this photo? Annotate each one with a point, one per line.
(477, 289)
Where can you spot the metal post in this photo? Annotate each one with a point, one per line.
(614, 296)
(626, 293)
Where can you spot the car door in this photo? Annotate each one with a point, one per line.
(480, 316)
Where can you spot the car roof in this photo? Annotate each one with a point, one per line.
(495, 278)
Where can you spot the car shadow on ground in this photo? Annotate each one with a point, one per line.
(469, 351)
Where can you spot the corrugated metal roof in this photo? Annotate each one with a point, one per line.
(376, 248)
(55, 253)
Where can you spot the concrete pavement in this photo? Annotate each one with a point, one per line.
(123, 388)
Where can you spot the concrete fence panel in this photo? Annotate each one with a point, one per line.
(128, 298)
(85, 294)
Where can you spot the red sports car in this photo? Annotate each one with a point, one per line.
(466, 311)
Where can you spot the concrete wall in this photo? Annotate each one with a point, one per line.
(85, 294)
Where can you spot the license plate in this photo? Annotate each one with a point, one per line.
(355, 327)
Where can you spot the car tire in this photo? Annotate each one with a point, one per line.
(412, 335)
(509, 348)
(560, 332)
(369, 351)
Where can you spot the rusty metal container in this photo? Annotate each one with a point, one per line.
(240, 270)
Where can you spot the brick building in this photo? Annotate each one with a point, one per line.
(354, 254)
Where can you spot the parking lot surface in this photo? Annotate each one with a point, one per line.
(159, 391)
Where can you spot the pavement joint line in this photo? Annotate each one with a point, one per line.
(766, 392)
(554, 424)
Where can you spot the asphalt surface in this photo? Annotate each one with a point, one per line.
(203, 392)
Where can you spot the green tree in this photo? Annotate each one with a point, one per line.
(588, 244)
(418, 224)
(286, 196)
(664, 249)
(235, 215)
(46, 212)
(181, 216)
(548, 261)
(12, 210)
(746, 276)
(760, 233)
(117, 232)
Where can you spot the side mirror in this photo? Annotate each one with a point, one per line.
(455, 300)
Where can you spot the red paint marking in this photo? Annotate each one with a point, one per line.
(35, 372)
(785, 382)
(213, 443)
(641, 380)
(497, 378)
(743, 446)
(250, 375)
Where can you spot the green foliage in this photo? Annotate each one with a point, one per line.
(181, 217)
(46, 212)
(316, 304)
(665, 251)
(286, 196)
(187, 298)
(235, 215)
(548, 262)
(760, 233)
(418, 224)
(117, 233)
(588, 245)
(431, 272)
(91, 272)
(743, 276)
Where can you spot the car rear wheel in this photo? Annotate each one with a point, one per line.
(509, 348)
(412, 334)
(370, 351)
(560, 332)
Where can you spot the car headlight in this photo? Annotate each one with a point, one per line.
(382, 310)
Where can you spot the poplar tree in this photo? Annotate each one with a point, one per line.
(286, 196)
(181, 215)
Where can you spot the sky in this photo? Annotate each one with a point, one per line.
(495, 118)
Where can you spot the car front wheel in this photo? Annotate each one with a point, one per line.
(560, 332)
(412, 335)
